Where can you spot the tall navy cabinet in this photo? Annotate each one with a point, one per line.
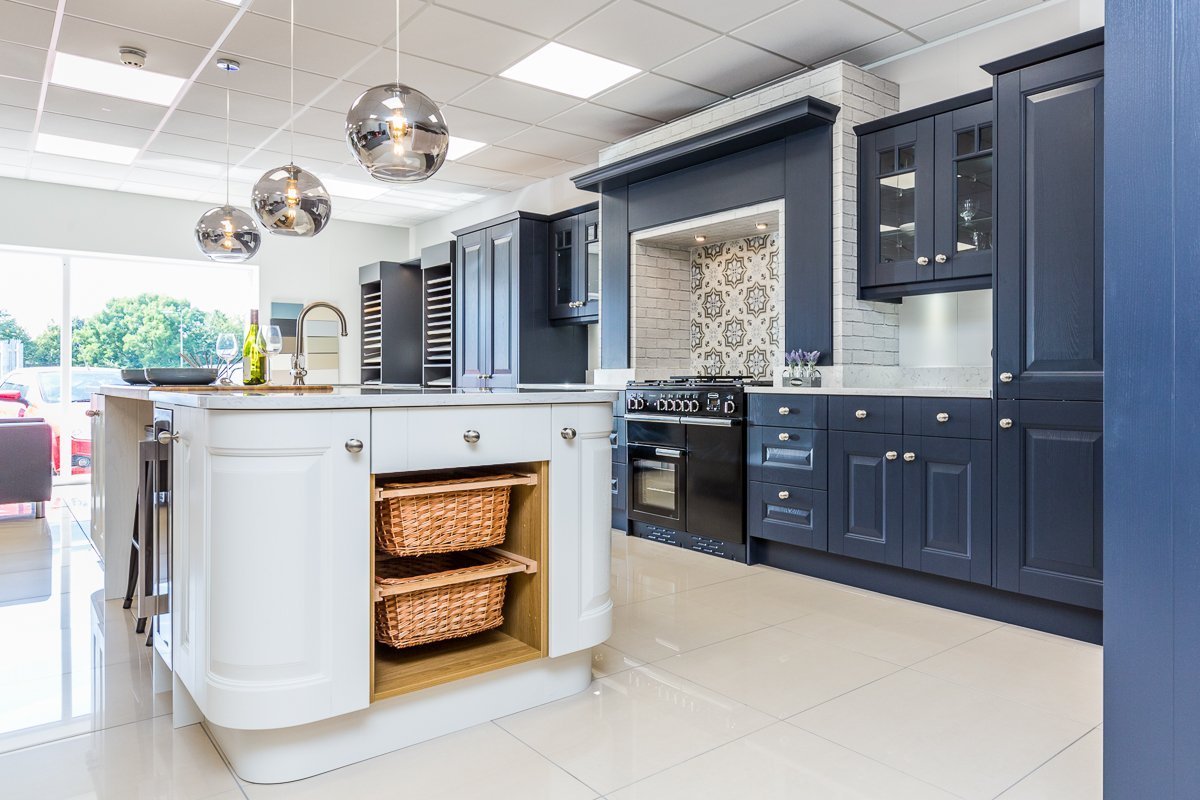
(1049, 320)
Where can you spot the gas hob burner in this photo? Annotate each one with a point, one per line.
(702, 381)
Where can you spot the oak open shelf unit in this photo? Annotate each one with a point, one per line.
(524, 634)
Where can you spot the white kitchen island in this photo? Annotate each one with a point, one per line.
(272, 584)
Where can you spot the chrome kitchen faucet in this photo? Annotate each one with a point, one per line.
(298, 370)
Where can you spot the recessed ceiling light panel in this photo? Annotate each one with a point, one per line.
(85, 148)
(570, 71)
(103, 77)
(460, 147)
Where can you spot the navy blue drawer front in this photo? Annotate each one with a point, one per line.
(789, 514)
(866, 413)
(795, 456)
(789, 410)
(619, 440)
(953, 417)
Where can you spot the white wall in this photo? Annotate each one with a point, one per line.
(947, 330)
(60, 217)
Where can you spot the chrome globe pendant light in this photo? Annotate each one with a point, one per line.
(227, 234)
(287, 200)
(395, 132)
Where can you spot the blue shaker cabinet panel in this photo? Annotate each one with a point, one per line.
(948, 507)
(866, 496)
(789, 514)
(795, 456)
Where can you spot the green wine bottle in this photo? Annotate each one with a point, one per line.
(254, 354)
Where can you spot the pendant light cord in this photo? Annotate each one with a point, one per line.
(292, 83)
(397, 41)
(227, 146)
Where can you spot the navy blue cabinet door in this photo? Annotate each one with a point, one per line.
(795, 456)
(962, 196)
(1049, 268)
(896, 204)
(502, 257)
(866, 496)
(948, 507)
(789, 514)
(473, 292)
(564, 268)
(1049, 500)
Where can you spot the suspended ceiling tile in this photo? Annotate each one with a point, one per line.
(332, 151)
(198, 23)
(551, 143)
(194, 183)
(17, 118)
(154, 190)
(16, 92)
(447, 36)
(202, 126)
(635, 34)
(969, 17)
(886, 47)
(515, 182)
(14, 158)
(536, 16)
(83, 166)
(812, 30)
(319, 122)
(442, 82)
(598, 122)
(479, 126)
(728, 66)
(74, 179)
(163, 162)
(117, 110)
(19, 61)
(339, 97)
(514, 100)
(720, 14)
(907, 15)
(25, 24)
(472, 176)
(252, 167)
(505, 160)
(370, 21)
(555, 169)
(266, 39)
(656, 97)
(202, 98)
(94, 130)
(268, 80)
(84, 37)
(20, 140)
(188, 147)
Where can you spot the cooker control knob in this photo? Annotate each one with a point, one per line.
(676, 405)
(693, 405)
(729, 407)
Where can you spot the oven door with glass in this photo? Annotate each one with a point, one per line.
(657, 473)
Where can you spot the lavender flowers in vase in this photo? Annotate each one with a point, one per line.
(801, 367)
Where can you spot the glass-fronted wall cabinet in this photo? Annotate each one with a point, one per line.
(925, 200)
(575, 266)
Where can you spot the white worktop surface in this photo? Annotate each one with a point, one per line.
(882, 391)
(357, 397)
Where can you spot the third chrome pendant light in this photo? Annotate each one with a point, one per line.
(225, 233)
(288, 200)
(396, 133)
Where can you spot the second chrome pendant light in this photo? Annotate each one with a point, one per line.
(288, 200)
(395, 132)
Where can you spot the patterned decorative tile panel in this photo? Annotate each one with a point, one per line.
(735, 307)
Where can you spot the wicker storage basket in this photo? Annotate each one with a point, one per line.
(445, 596)
(443, 516)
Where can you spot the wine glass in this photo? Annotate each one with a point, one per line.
(969, 209)
(227, 348)
(274, 340)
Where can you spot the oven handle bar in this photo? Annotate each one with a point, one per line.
(667, 452)
(715, 423)
(652, 418)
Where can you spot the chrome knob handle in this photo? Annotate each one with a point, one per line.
(166, 437)
(910, 457)
(354, 446)
(567, 433)
(471, 437)
(1006, 377)
(783, 437)
(861, 413)
(923, 261)
(91, 412)
(784, 495)
(940, 258)
(784, 411)
(1006, 423)
(891, 455)
(943, 416)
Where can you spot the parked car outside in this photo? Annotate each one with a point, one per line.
(37, 392)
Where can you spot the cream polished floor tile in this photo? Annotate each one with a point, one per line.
(890, 628)
(630, 725)
(665, 626)
(666, 569)
(966, 741)
(1058, 675)
(479, 762)
(1076, 773)
(626, 589)
(607, 660)
(780, 762)
(769, 597)
(776, 671)
(143, 761)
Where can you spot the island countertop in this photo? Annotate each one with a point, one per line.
(353, 397)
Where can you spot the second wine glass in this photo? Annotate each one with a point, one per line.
(227, 348)
(274, 339)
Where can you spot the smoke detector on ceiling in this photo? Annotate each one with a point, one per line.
(133, 57)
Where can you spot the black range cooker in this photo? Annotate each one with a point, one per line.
(687, 462)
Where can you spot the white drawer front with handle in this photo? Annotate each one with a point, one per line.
(467, 436)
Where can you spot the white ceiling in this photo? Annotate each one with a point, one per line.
(693, 53)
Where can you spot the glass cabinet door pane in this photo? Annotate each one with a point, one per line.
(593, 271)
(563, 275)
(973, 204)
(897, 217)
